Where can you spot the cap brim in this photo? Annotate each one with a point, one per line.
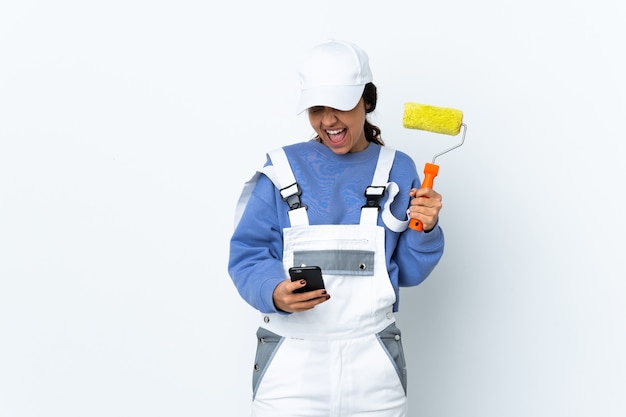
(342, 98)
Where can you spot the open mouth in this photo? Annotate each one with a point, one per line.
(336, 135)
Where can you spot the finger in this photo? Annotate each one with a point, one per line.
(294, 285)
(309, 303)
(434, 195)
(313, 295)
(427, 193)
(427, 207)
(425, 214)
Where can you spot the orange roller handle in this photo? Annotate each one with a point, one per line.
(430, 172)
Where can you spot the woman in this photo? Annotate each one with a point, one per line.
(341, 201)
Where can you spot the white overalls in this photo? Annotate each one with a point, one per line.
(344, 357)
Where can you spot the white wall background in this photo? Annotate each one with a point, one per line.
(128, 127)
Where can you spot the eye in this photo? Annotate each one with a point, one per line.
(315, 109)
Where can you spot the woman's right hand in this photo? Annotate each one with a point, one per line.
(285, 299)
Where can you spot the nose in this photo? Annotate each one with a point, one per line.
(329, 117)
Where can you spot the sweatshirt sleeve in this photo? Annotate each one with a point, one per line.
(256, 248)
(416, 254)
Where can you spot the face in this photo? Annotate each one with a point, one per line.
(341, 131)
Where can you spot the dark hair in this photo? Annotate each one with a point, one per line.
(372, 132)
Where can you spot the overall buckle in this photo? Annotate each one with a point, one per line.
(291, 195)
(373, 195)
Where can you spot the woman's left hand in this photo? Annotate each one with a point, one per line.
(425, 206)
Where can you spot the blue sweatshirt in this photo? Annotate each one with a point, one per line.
(332, 189)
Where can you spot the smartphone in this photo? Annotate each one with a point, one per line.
(311, 274)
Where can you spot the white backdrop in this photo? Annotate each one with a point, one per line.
(127, 129)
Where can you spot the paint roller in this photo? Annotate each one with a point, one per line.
(434, 119)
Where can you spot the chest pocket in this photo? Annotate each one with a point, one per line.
(337, 261)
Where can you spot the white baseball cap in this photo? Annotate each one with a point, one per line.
(333, 74)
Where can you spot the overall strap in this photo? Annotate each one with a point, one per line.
(375, 193)
(282, 176)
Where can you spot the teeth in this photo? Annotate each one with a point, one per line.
(334, 132)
